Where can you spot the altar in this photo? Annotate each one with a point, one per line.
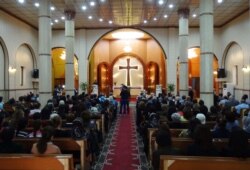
(134, 91)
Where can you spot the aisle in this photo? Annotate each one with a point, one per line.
(122, 149)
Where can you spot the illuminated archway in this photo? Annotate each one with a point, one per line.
(58, 67)
(145, 48)
(194, 71)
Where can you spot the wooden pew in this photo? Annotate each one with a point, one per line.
(168, 162)
(65, 144)
(31, 162)
(183, 143)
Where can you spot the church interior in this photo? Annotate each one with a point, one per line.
(52, 50)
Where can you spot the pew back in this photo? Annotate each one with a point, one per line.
(65, 144)
(31, 162)
(168, 162)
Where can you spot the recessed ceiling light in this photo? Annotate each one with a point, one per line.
(52, 8)
(194, 15)
(219, 1)
(92, 3)
(165, 16)
(63, 17)
(84, 7)
(100, 19)
(127, 35)
(170, 5)
(160, 2)
(110, 22)
(90, 17)
(155, 19)
(51, 23)
(56, 20)
(21, 1)
(145, 21)
(36, 4)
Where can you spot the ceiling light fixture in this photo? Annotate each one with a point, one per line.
(21, 1)
(100, 19)
(63, 17)
(92, 3)
(127, 35)
(90, 17)
(155, 19)
(84, 7)
(170, 5)
(165, 16)
(127, 49)
(160, 2)
(36, 4)
(110, 22)
(194, 15)
(52, 8)
(219, 1)
(51, 23)
(192, 53)
(145, 21)
(63, 55)
(56, 20)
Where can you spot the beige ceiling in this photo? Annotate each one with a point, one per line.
(125, 13)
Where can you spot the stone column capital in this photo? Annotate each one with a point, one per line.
(69, 14)
(183, 12)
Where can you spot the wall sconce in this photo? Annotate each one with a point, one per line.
(245, 68)
(12, 69)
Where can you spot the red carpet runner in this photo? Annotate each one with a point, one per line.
(123, 151)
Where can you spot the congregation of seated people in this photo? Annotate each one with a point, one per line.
(230, 120)
(61, 117)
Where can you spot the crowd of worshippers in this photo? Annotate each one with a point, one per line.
(151, 111)
(66, 116)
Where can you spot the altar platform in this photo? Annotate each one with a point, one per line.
(134, 91)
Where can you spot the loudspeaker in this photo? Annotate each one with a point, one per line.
(35, 73)
(221, 73)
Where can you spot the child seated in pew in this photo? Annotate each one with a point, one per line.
(45, 145)
(164, 141)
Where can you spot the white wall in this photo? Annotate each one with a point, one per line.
(1, 71)
(15, 33)
(237, 31)
(23, 59)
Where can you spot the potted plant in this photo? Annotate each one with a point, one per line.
(171, 87)
(84, 86)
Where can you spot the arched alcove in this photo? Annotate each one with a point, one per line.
(109, 49)
(58, 67)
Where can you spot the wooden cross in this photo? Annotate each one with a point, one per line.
(128, 67)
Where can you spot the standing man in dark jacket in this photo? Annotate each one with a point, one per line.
(124, 104)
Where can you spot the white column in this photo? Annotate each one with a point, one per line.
(183, 50)
(172, 55)
(207, 54)
(69, 44)
(45, 82)
(81, 44)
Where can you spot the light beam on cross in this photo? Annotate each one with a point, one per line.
(128, 67)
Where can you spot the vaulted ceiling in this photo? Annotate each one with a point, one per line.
(124, 13)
